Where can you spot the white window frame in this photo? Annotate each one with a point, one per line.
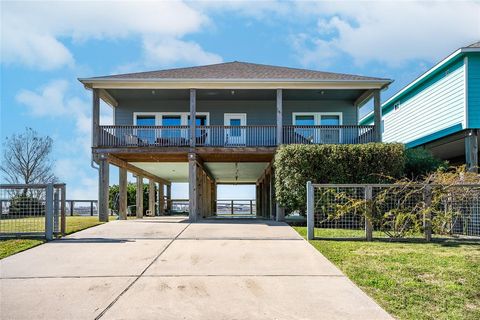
(317, 116)
(159, 117)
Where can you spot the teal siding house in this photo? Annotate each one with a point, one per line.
(440, 110)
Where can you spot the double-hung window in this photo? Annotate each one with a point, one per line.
(318, 127)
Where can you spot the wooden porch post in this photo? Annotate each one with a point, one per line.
(139, 198)
(151, 197)
(95, 117)
(279, 116)
(214, 198)
(169, 197)
(161, 199)
(192, 189)
(103, 183)
(272, 195)
(193, 112)
(377, 111)
(471, 150)
(257, 199)
(122, 190)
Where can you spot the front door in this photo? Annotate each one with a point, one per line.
(235, 131)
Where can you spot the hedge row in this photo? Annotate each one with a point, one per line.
(361, 163)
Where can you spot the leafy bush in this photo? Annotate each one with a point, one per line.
(420, 162)
(362, 163)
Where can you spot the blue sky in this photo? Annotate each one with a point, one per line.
(46, 46)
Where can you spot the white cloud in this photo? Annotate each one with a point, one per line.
(388, 32)
(72, 149)
(33, 32)
(167, 51)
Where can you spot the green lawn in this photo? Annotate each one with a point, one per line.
(439, 280)
(12, 246)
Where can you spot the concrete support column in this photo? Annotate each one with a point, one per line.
(139, 198)
(103, 184)
(161, 199)
(122, 190)
(279, 117)
(193, 188)
(377, 116)
(151, 197)
(471, 150)
(169, 197)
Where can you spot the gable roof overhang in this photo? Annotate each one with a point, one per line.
(115, 83)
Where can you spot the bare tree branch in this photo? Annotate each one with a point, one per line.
(26, 158)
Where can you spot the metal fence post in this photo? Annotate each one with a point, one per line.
(56, 209)
(49, 212)
(63, 221)
(310, 211)
(427, 215)
(368, 213)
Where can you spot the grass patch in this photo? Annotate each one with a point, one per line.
(438, 280)
(77, 223)
(12, 246)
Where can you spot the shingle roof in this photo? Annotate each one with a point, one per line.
(474, 45)
(241, 71)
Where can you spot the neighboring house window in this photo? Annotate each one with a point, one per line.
(382, 126)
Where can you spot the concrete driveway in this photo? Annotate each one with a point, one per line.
(169, 269)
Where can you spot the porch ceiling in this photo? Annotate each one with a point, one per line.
(172, 171)
(218, 94)
(236, 172)
(224, 172)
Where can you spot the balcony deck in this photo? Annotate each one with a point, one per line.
(217, 136)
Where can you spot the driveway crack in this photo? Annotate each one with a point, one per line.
(140, 275)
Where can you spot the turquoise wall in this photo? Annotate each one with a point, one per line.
(474, 90)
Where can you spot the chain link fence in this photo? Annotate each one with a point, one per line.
(394, 211)
(32, 210)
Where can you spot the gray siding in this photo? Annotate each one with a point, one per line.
(259, 112)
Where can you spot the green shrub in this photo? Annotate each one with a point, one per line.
(362, 163)
(131, 196)
(420, 162)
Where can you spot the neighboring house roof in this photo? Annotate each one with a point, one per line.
(232, 72)
(474, 45)
(387, 105)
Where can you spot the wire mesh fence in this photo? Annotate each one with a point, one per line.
(393, 211)
(32, 210)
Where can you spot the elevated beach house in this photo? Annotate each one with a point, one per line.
(221, 124)
(440, 110)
